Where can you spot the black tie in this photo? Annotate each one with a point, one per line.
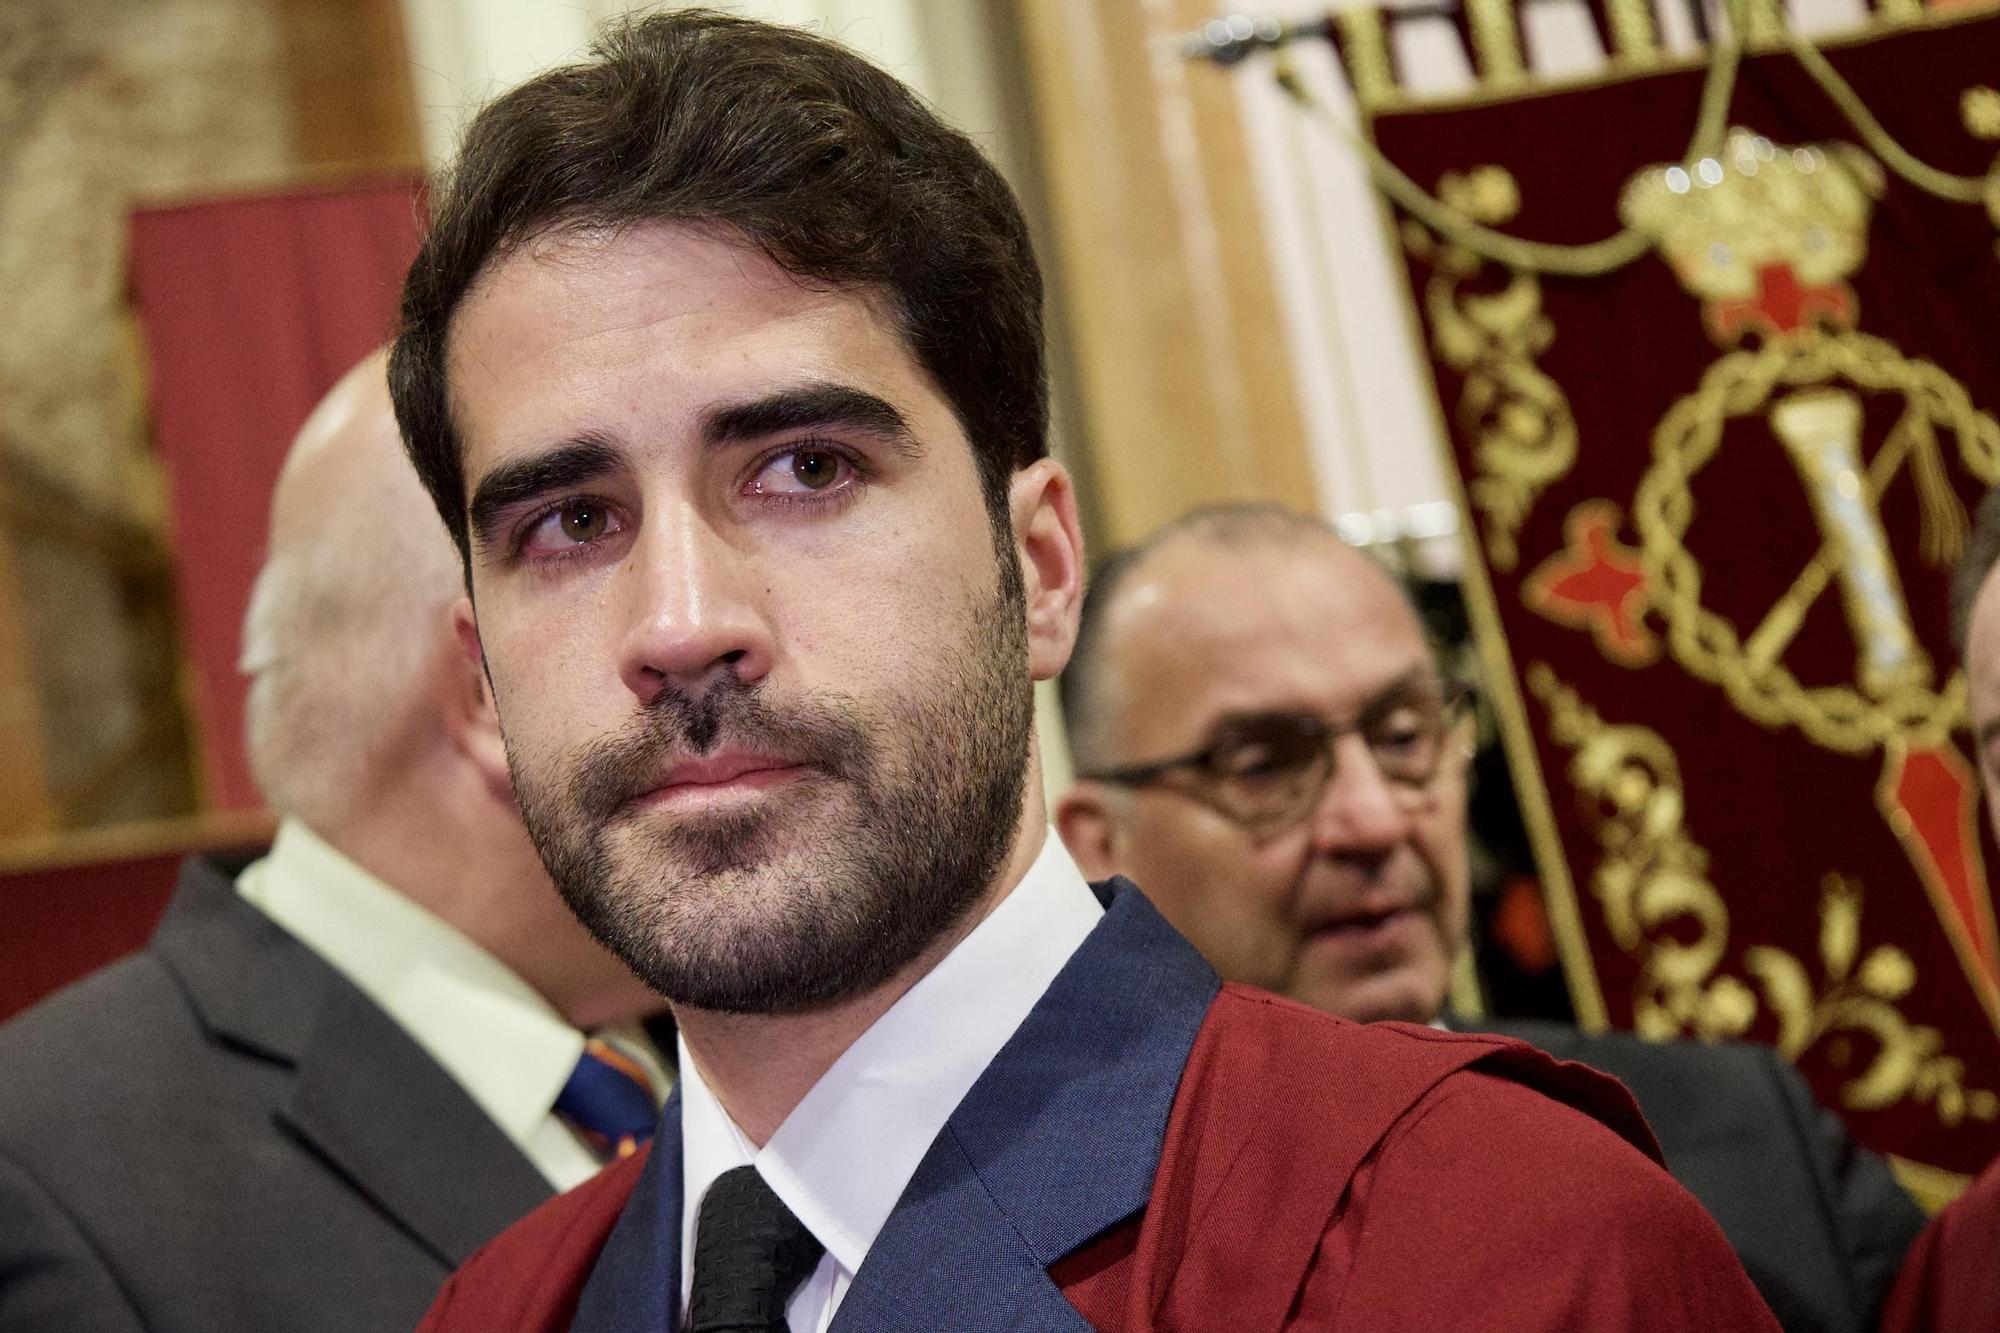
(750, 1254)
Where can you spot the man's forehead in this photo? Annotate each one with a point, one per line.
(1206, 629)
(691, 316)
(646, 258)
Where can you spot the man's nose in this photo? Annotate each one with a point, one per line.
(690, 605)
(1361, 810)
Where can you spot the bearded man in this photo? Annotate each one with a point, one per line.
(723, 362)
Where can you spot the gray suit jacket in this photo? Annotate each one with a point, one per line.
(1820, 1224)
(221, 1133)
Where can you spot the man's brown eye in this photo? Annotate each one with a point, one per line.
(815, 469)
(582, 521)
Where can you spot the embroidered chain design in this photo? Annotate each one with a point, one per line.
(1663, 910)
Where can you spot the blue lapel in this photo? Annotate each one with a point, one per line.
(1056, 1144)
(636, 1285)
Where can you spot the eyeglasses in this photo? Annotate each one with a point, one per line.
(1271, 770)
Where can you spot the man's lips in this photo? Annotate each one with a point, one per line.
(1366, 927)
(721, 775)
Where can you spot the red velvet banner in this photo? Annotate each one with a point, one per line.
(252, 309)
(1717, 469)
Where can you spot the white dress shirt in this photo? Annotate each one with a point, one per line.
(844, 1155)
(491, 1031)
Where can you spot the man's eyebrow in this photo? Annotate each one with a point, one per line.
(807, 407)
(1382, 701)
(520, 480)
(1240, 720)
(1398, 691)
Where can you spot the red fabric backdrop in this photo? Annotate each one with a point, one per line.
(71, 914)
(252, 309)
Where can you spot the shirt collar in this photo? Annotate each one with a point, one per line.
(843, 1157)
(490, 1030)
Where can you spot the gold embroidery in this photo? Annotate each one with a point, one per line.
(1763, 22)
(1634, 38)
(1497, 38)
(1365, 39)
(1725, 222)
(1858, 999)
(1663, 911)
(1496, 42)
(1944, 850)
(1979, 109)
(1931, 1186)
(1900, 704)
(1518, 417)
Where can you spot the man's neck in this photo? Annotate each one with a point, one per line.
(761, 1066)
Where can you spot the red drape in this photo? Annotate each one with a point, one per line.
(252, 308)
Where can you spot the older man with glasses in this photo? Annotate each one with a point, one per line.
(1264, 741)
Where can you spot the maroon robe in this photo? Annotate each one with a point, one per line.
(1951, 1277)
(1317, 1174)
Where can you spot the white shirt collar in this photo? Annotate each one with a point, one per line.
(845, 1154)
(491, 1031)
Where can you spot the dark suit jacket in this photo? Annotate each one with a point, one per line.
(1819, 1223)
(221, 1133)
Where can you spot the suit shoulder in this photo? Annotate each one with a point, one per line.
(1254, 1041)
(1260, 1014)
(101, 1064)
(1689, 1090)
(1489, 1140)
(1467, 1111)
(135, 992)
(1742, 1060)
(1504, 1190)
(1273, 1030)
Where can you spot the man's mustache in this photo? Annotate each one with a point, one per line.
(679, 724)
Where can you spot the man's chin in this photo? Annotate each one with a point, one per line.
(692, 843)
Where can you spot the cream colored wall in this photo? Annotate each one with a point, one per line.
(465, 51)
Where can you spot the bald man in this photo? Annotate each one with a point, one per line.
(333, 1075)
(1264, 740)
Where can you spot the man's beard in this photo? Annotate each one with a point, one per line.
(757, 910)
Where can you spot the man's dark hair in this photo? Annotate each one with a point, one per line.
(1968, 576)
(808, 152)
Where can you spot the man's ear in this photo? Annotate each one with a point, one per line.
(1089, 828)
(1042, 504)
(472, 718)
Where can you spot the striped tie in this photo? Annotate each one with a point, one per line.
(609, 1101)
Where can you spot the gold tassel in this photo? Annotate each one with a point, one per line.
(1943, 522)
